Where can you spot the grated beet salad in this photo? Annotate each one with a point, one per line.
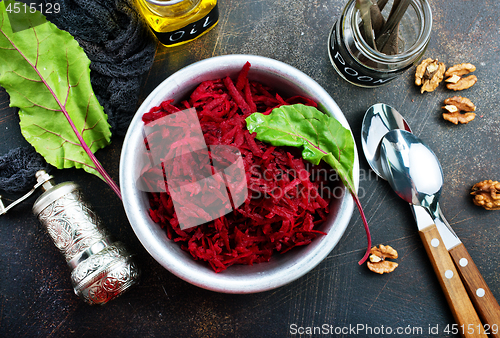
(285, 201)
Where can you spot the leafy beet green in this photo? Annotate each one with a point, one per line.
(47, 76)
(320, 136)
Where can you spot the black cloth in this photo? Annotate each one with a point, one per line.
(121, 49)
(18, 168)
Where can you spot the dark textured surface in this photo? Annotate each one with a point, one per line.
(36, 298)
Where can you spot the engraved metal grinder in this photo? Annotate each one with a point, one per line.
(101, 270)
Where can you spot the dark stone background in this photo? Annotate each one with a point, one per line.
(36, 298)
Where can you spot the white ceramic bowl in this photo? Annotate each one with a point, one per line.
(281, 269)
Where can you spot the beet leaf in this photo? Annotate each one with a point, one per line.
(320, 136)
(47, 76)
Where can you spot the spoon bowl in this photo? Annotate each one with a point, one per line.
(411, 168)
(379, 119)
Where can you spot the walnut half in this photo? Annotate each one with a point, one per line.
(487, 194)
(455, 79)
(458, 109)
(378, 263)
(429, 74)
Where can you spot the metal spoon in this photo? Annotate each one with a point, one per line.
(411, 168)
(379, 120)
(414, 172)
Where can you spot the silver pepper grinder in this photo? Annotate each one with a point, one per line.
(100, 270)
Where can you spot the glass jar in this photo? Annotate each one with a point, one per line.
(175, 22)
(363, 66)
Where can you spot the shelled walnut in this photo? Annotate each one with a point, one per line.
(377, 261)
(429, 74)
(458, 109)
(487, 194)
(455, 79)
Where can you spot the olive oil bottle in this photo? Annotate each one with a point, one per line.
(175, 22)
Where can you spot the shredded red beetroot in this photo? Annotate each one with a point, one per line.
(284, 205)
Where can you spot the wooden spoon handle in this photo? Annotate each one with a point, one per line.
(485, 303)
(460, 304)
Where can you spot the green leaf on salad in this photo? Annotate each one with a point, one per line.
(47, 76)
(320, 136)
